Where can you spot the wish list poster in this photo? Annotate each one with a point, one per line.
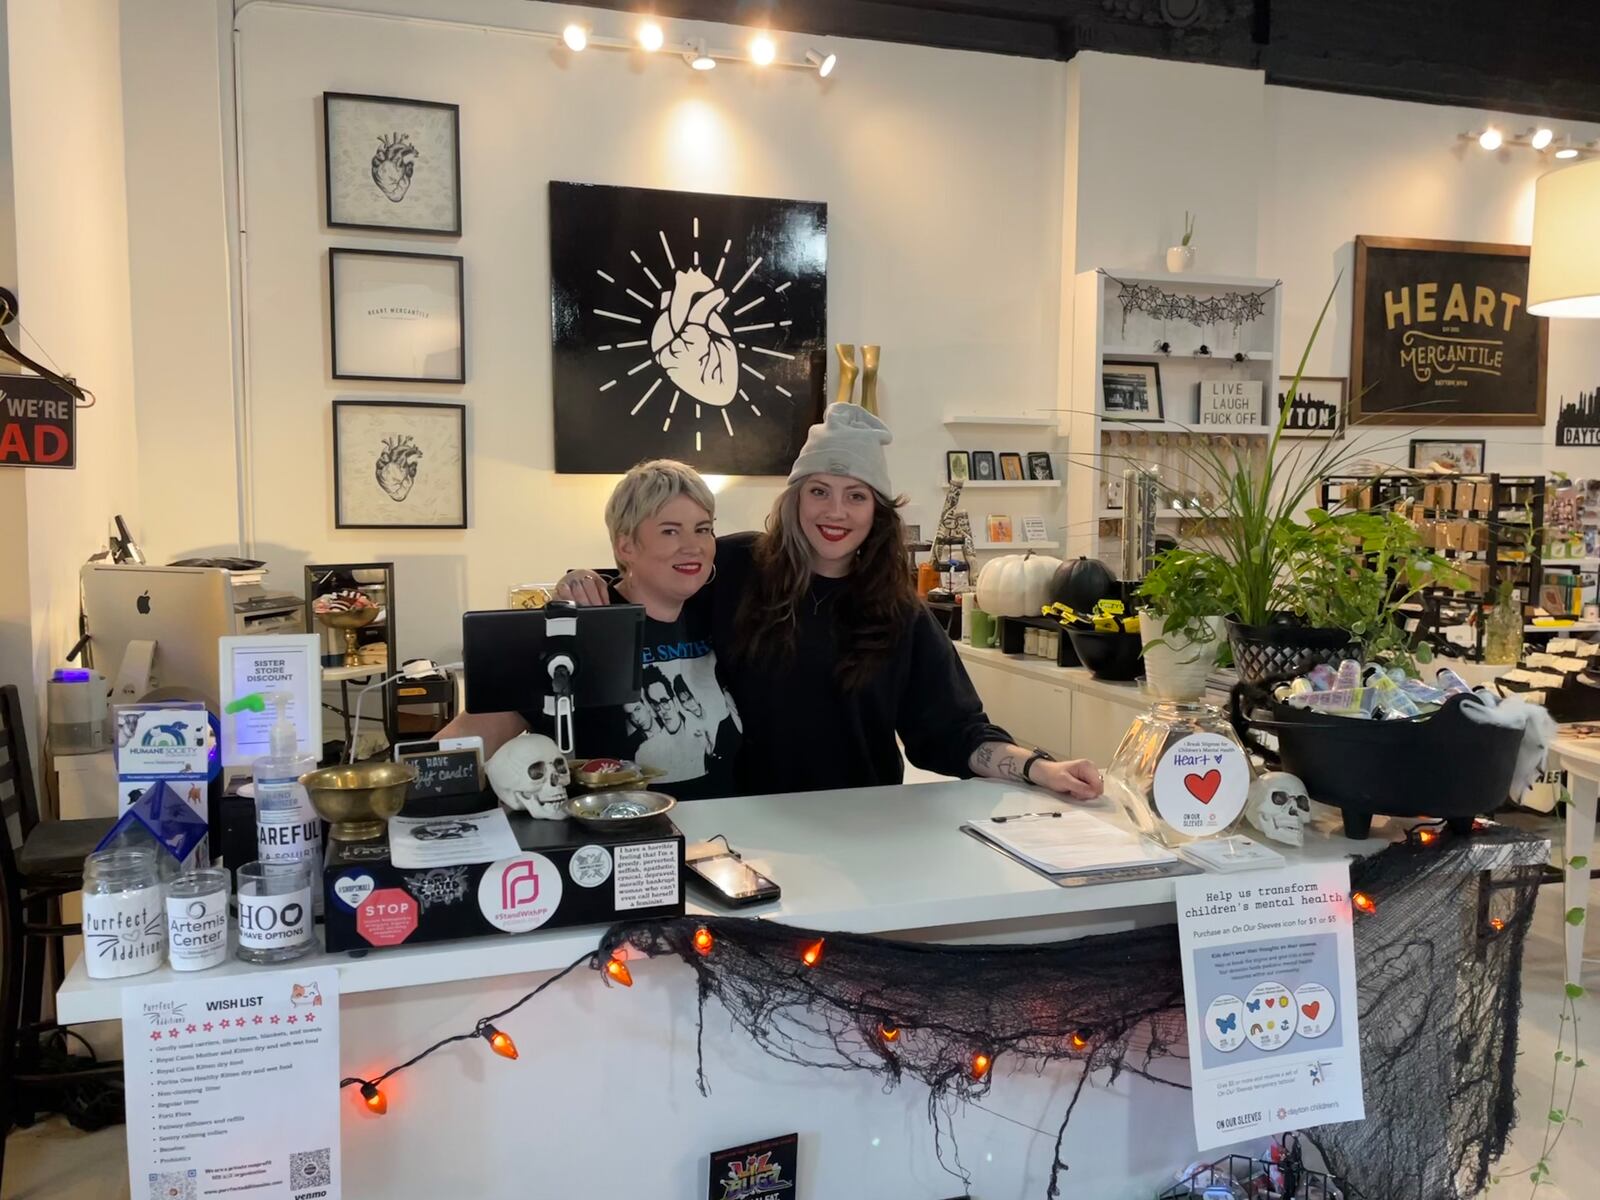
(233, 1086)
(1269, 981)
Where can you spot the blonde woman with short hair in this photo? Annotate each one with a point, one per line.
(659, 519)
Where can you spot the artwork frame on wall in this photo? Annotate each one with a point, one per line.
(1131, 391)
(1040, 468)
(984, 469)
(412, 181)
(1441, 335)
(399, 464)
(685, 325)
(957, 466)
(396, 316)
(1319, 408)
(1011, 465)
(1463, 455)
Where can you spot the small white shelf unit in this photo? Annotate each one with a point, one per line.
(1036, 430)
(1100, 448)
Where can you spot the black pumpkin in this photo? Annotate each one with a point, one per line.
(1083, 583)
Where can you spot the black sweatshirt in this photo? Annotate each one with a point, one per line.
(804, 732)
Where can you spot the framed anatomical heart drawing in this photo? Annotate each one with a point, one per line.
(391, 163)
(685, 326)
(399, 465)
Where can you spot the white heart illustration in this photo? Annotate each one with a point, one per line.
(692, 343)
(353, 889)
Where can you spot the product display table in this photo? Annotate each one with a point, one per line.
(1581, 759)
(607, 1067)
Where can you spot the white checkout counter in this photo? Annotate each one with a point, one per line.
(603, 1101)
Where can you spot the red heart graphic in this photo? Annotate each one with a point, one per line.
(1270, 1000)
(1311, 1010)
(1204, 787)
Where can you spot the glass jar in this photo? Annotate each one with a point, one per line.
(197, 919)
(275, 912)
(1180, 773)
(124, 919)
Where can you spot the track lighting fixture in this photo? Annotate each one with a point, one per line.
(576, 37)
(650, 36)
(762, 50)
(824, 63)
(697, 57)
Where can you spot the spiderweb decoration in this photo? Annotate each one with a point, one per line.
(1236, 308)
(1438, 989)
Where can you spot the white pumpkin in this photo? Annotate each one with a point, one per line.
(1016, 585)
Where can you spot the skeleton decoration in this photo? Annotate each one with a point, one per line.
(530, 775)
(393, 165)
(396, 467)
(1279, 807)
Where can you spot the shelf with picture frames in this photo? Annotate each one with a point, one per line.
(1025, 432)
(1168, 430)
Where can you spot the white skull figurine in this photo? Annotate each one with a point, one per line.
(1279, 807)
(530, 775)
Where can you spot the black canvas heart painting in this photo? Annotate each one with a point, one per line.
(685, 325)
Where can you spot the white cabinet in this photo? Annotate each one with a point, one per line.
(1098, 726)
(1034, 713)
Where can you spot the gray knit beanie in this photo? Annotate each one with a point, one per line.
(849, 441)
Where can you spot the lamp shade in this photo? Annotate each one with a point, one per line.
(1564, 270)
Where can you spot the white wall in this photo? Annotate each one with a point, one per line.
(72, 275)
(943, 176)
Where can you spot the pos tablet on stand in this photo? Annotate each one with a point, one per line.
(553, 660)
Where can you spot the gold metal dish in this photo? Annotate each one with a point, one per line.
(613, 809)
(357, 799)
(350, 620)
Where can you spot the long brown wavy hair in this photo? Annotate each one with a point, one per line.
(878, 597)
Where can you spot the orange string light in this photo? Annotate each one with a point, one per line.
(1496, 924)
(374, 1099)
(980, 1065)
(1364, 903)
(703, 941)
(1427, 836)
(499, 1042)
(1079, 1041)
(618, 970)
(888, 1033)
(813, 953)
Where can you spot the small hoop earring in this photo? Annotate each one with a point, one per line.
(713, 574)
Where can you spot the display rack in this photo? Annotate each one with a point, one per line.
(1506, 508)
(1022, 433)
(1099, 447)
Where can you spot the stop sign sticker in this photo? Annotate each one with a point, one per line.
(387, 917)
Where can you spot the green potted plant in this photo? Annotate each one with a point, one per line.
(1181, 602)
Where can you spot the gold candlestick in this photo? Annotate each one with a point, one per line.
(847, 372)
(869, 379)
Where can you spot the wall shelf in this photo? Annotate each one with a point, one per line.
(1010, 483)
(982, 419)
(1049, 545)
(1220, 357)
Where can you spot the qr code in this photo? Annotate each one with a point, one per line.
(309, 1169)
(173, 1185)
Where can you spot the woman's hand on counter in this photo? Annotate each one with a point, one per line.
(584, 588)
(1077, 778)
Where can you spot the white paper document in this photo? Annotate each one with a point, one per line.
(1269, 983)
(451, 841)
(233, 1086)
(1065, 843)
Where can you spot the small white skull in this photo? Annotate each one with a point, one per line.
(531, 775)
(1279, 807)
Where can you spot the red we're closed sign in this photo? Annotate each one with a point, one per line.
(37, 423)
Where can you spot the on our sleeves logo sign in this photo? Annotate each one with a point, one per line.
(687, 326)
(521, 893)
(38, 424)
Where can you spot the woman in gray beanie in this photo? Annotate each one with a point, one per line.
(829, 654)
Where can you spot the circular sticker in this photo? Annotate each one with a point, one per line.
(1225, 1023)
(590, 866)
(1314, 1010)
(521, 893)
(1201, 784)
(1268, 1016)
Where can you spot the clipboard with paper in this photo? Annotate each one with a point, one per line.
(1071, 848)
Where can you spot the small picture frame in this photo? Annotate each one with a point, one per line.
(391, 163)
(1131, 391)
(1039, 466)
(999, 528)
(1316, 409)
(399, 465)
(913, 534)
(1011, 466)
(1463, 457)
(397, 317)
(983, 466)
(957, 466)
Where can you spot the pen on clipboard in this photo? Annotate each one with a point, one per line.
(1023, 817)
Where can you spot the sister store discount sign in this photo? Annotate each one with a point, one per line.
(233, 1086)
(1269, 982)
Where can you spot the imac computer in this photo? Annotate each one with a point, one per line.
(157, 627)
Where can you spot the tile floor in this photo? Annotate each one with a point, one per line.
(53, 1161)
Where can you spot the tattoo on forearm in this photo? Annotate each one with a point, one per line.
(998, 760)
(982, 757)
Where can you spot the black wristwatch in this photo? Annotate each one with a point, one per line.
(1033, 758)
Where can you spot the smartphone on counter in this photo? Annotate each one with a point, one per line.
(729, 880)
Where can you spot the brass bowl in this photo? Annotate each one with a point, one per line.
(357, 799)
(619, 809)
(349, 620)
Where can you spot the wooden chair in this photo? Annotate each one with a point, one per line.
(40, 861)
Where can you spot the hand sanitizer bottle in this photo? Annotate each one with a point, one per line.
(288, 829)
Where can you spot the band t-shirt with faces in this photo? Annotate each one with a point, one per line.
(683, 722)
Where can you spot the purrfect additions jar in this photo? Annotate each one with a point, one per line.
(124, 914)
(1180, 773)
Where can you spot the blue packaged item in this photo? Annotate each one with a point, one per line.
(161, 817)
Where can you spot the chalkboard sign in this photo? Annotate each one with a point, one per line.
(1442, 335)
(446, 773)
